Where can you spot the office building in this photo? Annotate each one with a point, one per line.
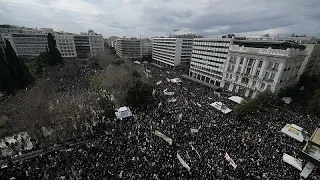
(82, 46)
(129, 48)
(133, 48)
(172, 51)
(208, 59)
(146, 47)
(254, 66)
(66, 45)
(96, 43)
(26, 42)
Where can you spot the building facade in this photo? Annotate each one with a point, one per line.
(128, 48)
(133, 48)
(146, 47)
(66, 45)
(249, 70)
(96, 42)
(172, 51)
(311, 63)
(26, 42)
(82, 46)
(208, 59)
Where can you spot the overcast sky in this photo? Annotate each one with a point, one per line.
(160, 17)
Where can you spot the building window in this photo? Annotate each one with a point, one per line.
(248, 70)
(276, 65)
(241, 60)
(269, 87)
(262, 85)
(239, 69)
(260, 64)
(272, 76)
(245, 80)
(251, 61)
(257, 73)
(266, 75)
(253, 83)
(270, 64)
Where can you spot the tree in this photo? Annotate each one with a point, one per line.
(314, 104)
(21, 74)
(262, 101)
(54, 56)
(6, 78)
(139, 95)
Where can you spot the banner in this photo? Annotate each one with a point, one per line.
(194, 130)
(172, 100)
(164, 137)
(168, 93)
(159, 82)
(184, 164)
(231, 162)
(194, 149)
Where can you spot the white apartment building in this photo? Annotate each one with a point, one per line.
(208, 59)
(255, 66)
(172, 51)
(66, 45)
(96, 42)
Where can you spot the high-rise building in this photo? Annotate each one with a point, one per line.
(208, 59)
(172, 51)
(96, 42)
(66, 46)
(254, 66)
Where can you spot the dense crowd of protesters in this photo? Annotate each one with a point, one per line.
(129, 149)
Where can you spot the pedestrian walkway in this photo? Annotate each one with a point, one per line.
(200, 82)
(157, 65)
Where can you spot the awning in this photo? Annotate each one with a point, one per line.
(236, 99)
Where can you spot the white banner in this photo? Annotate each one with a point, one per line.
(172, 100)
(164, 137)
(184, 164)
(194, 149)
(194, 130)
(231, 162)
(168, 93)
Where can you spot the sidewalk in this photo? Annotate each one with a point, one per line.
(200, 82)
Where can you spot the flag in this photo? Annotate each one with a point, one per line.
(194, 149)
(231, 162)
(180, 116)
(184, 164)
(164, 137)
(194, 130)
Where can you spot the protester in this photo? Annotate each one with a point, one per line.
(129, 148)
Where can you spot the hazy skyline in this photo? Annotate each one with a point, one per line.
(158, 18)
